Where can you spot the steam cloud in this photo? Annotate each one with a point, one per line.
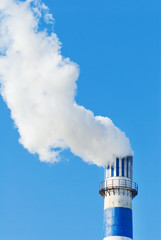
(38, 84)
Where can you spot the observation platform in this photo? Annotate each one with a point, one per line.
(112, 184)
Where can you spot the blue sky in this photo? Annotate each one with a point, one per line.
(117, 46)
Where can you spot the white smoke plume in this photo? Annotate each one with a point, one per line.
(39, 85)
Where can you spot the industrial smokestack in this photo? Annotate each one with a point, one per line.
(39, 86)
(118, 190)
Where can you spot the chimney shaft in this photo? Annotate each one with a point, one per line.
(118, 190)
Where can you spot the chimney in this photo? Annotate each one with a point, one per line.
(118, 190)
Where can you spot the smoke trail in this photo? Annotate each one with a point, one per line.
(39, 85)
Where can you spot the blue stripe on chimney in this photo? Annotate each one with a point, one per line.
(127, 167)
(112, 171)
(117, 167)
(118, 222)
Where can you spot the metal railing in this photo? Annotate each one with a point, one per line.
(111, 184)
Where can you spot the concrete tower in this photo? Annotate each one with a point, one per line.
(118, 190)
